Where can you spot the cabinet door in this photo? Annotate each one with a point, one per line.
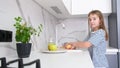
(114, 25)
(118, 21)
(112, 60)
(81, 7)
(102, 5)
(85, 6)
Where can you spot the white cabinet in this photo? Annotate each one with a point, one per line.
(85, 6)
(67, 4)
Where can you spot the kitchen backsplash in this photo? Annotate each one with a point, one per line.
(74, 29)
(33, 13)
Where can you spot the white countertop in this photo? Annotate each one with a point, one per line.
(69, 59)
(111, 50)
(76, 58)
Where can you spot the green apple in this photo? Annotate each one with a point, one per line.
(52, 47)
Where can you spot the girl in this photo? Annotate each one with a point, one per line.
(97, 40)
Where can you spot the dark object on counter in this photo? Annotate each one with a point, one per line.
(5, 36)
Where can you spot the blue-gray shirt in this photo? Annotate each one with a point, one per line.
(97, 39)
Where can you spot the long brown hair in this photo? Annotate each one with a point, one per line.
(102, 25)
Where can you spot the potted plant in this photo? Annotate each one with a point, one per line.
(23, 35)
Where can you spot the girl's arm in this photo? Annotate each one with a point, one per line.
(80, 44)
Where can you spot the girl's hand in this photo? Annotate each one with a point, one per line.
(69, 46)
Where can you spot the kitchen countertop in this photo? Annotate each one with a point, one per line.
(111, 50)
(67, 59)
(77, 58)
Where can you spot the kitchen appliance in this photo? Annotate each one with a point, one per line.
(114, 29)
(5, 36)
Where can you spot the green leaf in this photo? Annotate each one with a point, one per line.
(24, 32)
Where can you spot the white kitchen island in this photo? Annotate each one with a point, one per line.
(69, 59)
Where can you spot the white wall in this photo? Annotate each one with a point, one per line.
(33, 13)
(75, 29)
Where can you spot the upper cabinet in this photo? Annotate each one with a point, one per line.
(74, 8)
(85, 6)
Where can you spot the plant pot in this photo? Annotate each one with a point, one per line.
(23, 50)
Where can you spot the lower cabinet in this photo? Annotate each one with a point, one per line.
(112, 60)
